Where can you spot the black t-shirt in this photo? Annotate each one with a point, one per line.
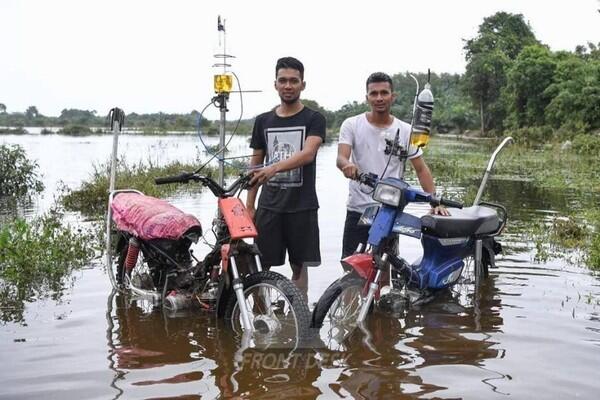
(280, 138)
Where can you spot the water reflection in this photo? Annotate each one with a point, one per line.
(383, 358)
(194, 355)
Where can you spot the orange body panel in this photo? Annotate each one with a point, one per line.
(237, 218)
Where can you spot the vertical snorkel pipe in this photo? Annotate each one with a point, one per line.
(488, 170)
(116, 117)
(412, 125)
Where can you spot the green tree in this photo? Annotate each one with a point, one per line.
(31, 113)
(575, 92)
(80, 117)
(500, 39)
(2, 108)
(329, 115)
(528, 77)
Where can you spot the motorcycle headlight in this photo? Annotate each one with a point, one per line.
(388, 194)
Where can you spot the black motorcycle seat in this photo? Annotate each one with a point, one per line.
(469, 221)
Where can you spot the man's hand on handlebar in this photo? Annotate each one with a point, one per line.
(262, 175)
(350, 171)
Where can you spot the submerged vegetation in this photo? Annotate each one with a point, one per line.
(36, 256)
(36, 260)
(551, 177)
(18, 174)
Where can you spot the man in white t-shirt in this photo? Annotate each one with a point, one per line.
(361, 149)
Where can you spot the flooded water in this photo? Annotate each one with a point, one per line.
(533, 331)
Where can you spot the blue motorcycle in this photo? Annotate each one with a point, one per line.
(452, 246)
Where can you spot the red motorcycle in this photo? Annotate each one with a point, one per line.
(154, 262)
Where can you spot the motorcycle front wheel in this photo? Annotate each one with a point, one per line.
(278, 311)
(336, 312)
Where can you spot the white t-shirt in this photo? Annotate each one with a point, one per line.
(368, 146)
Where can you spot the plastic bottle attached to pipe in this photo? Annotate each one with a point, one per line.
(422, 120)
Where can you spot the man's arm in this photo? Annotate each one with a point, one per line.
(258, 156)
(423, 174)
(303, 157)
(426, 181)
(343, 161)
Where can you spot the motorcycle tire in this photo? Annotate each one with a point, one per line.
(341, 302)
(279, 312)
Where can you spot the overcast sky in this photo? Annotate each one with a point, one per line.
(150, 56)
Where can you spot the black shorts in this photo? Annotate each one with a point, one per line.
(355, 234)
(298, 233)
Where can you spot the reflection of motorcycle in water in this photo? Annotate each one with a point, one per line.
(160, 354)
(384, 358)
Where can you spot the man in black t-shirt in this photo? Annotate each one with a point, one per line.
(286, 140)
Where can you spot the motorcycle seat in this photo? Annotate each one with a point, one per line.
(150, 218)
(468, 221)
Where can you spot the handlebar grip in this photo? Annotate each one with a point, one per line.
(181, 178)
(368, 179)
(451, 203)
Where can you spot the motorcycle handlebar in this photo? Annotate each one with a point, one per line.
(369, 179)
(445, 202)
(184, 177)
(215, 188)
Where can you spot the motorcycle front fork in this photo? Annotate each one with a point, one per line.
(373, 286)
(238, 288)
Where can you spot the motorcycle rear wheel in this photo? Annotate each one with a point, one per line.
(278, 311)
(468, 274)
(138, 278)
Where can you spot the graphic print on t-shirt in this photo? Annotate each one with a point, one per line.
(282, 143)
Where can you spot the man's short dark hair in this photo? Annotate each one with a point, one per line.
(290, 62)
(379, 77)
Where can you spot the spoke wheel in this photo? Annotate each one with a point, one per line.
(337, 310)
(278, 311)
(138, 282)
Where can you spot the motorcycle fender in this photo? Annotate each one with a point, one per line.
(225, 257)
(238, 219)
(362, 263)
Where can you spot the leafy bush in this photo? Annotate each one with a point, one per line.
(91, 198)
(36, 258)
(532, 136)
(18, 174)
(586, 144)
(75, 130)
(13, 131)
(594, 254)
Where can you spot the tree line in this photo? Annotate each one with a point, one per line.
(512, 82)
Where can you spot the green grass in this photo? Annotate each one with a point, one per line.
(92, 196)
(546, 172)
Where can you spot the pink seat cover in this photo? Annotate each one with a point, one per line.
(150, 218)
